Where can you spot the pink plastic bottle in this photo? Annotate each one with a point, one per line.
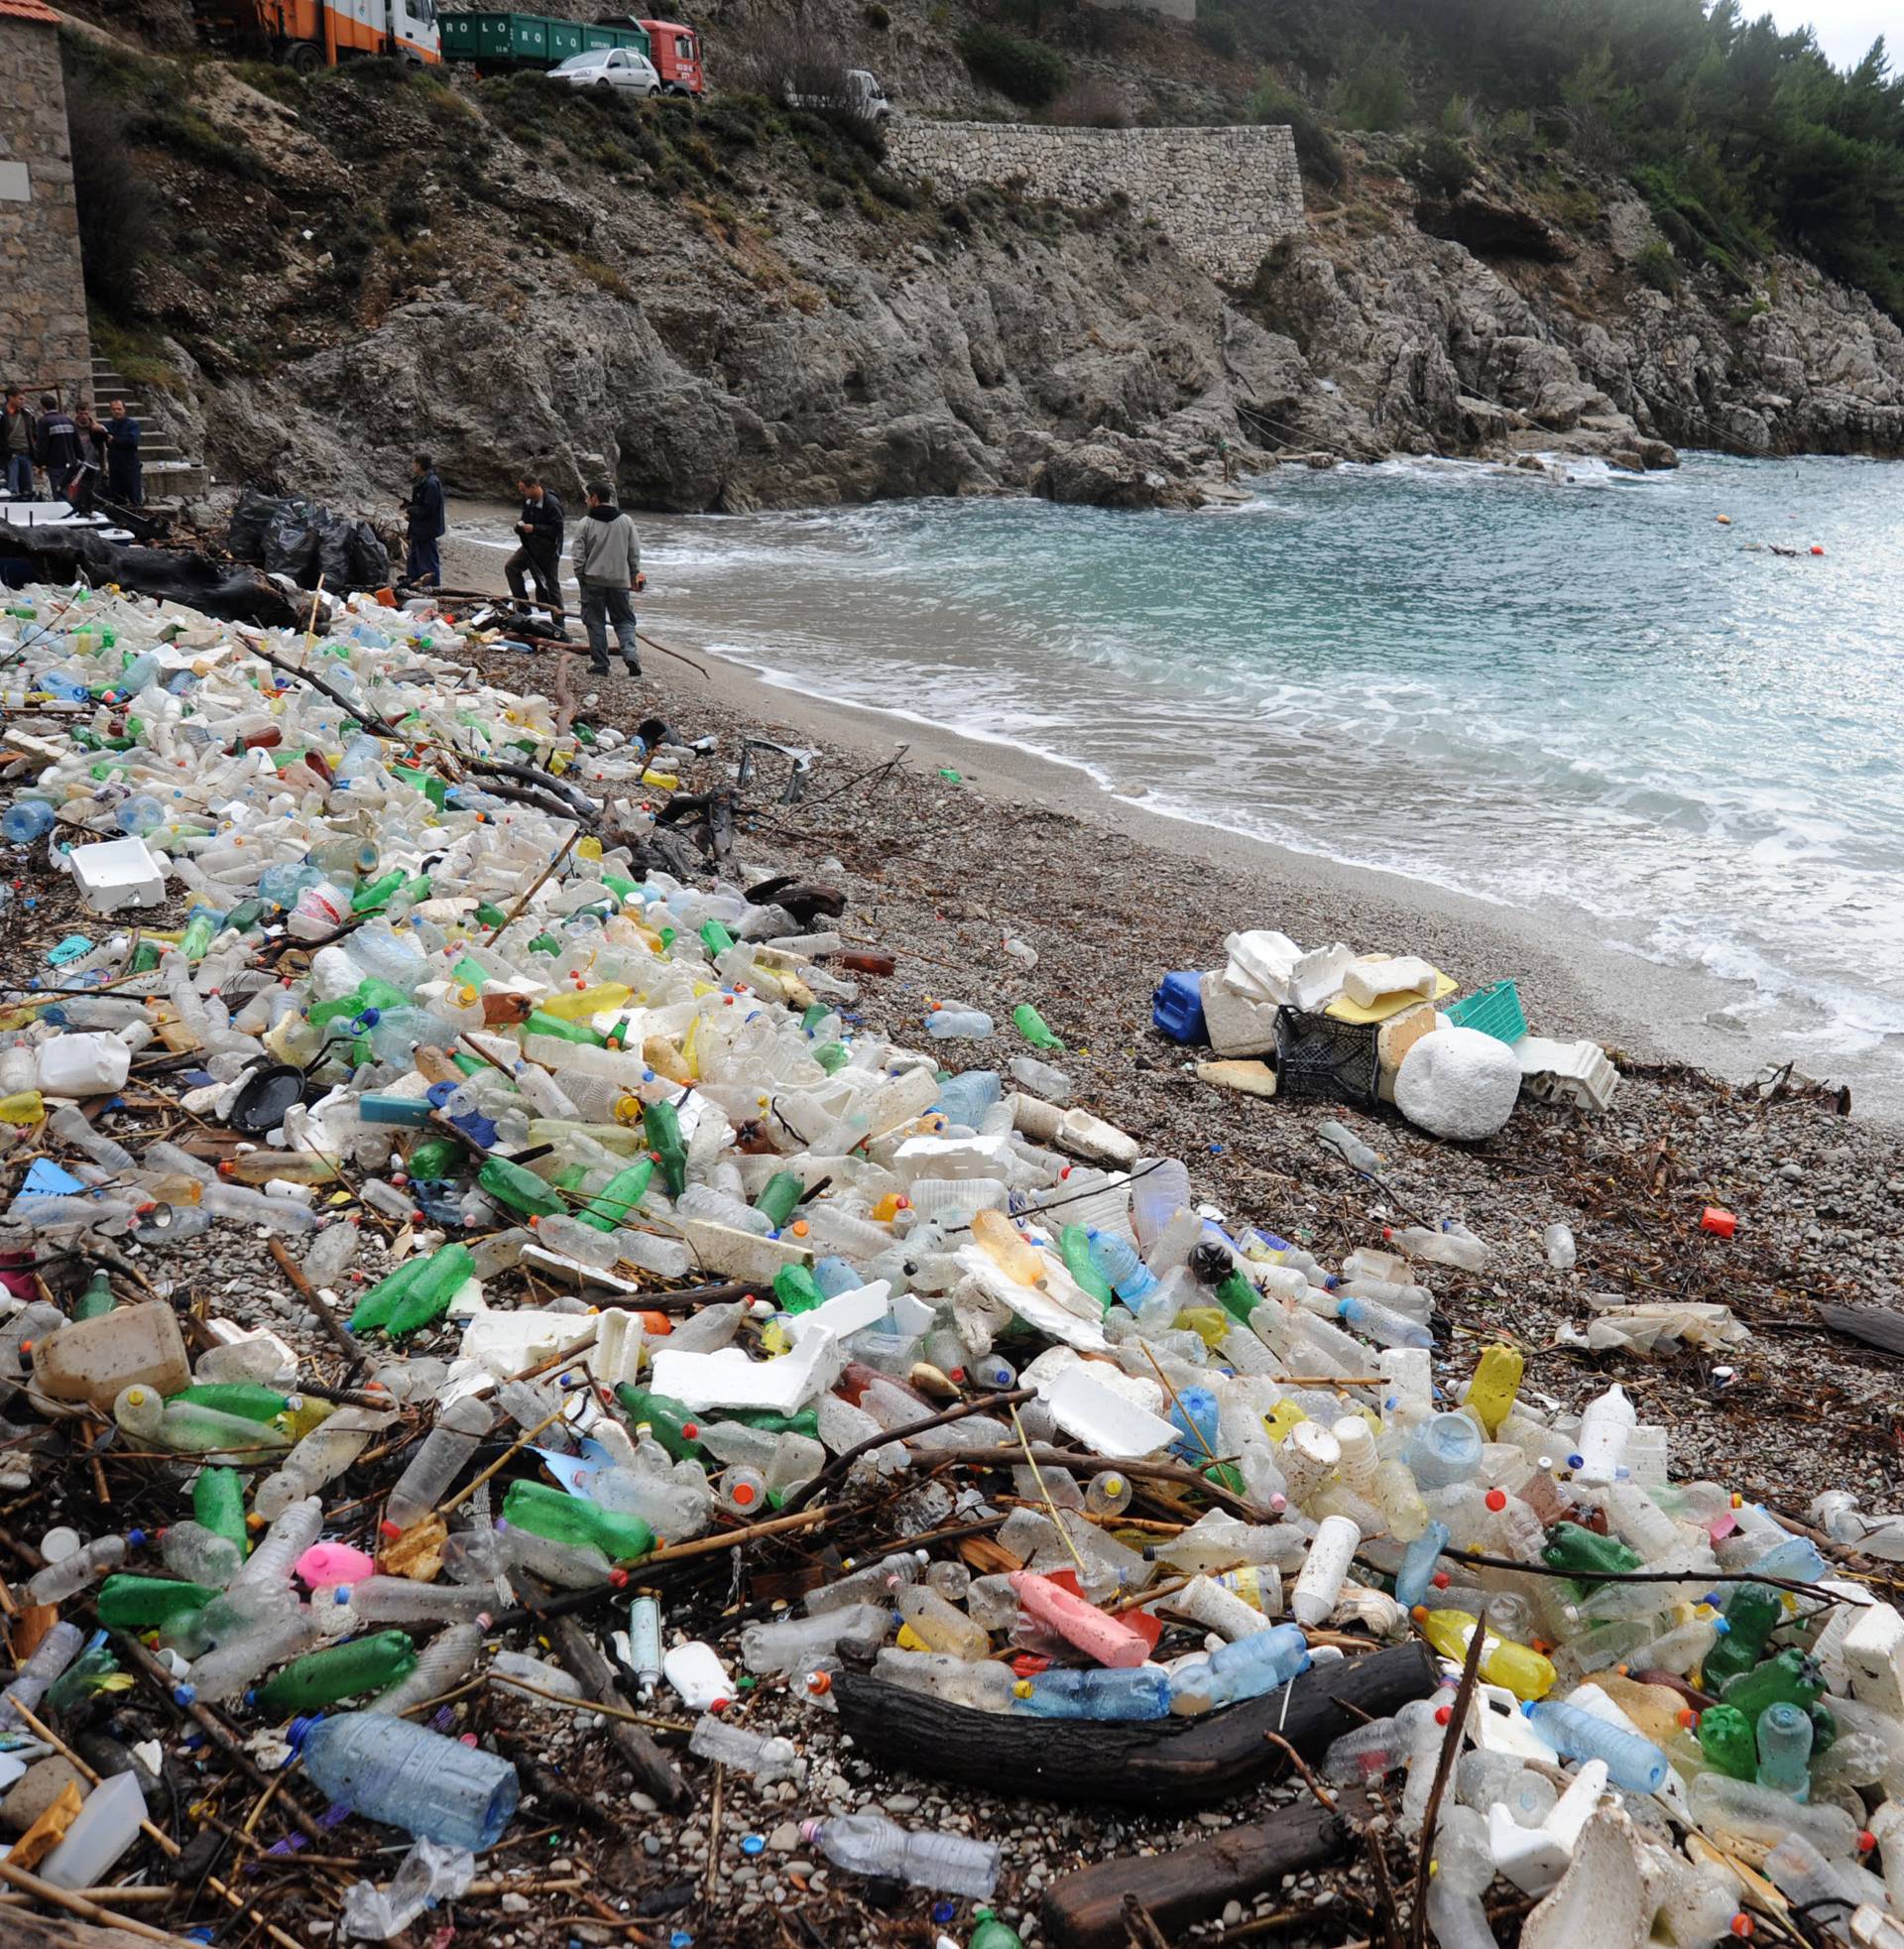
(1105, 1639)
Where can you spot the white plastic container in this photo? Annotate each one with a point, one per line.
(698, 1675)
(1319, 1581)
(1874, 1656)
(84, 1065)
(107, 1826)
(616, 1356)
(118, 873)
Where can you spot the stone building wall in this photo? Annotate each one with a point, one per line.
(44, 341)
(1224, 196)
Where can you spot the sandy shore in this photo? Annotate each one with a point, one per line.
(1570, 984)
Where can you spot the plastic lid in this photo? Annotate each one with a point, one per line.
(268, 1093)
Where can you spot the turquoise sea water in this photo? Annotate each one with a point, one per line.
(1584, 695)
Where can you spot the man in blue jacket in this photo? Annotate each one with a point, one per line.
(425, 525)
(57, 442)
(125, 470)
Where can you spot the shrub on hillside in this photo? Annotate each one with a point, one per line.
(1025, 70)
(1217, 32)
(1657, 266)
(1092, 103)
(1316, 148)
(1442, 166)
(1374, 92)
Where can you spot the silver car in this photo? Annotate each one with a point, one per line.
(609, 68)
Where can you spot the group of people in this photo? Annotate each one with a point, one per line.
(605, 554)
(69, 451)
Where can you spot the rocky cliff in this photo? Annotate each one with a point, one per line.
(736, 307)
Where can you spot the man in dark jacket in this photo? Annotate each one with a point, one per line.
(19, 444)
(425, 525)
(540, 552)
(607, 557)
(57, 440)
(125, 470)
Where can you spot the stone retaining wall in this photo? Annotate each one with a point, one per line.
(1224, 196)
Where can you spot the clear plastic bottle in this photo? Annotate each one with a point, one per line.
(51, 1657)
(386, 1768)
(1632, 1762)
(764, 1760)
(1449, 1247)
(985, 1688)
(60, 1580)
(870, 1844)
(441, 1665)
(1561, 1250)
(1143, 1692)
(784, 1643)
(442, 1456)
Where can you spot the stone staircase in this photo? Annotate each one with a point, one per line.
(168, 474)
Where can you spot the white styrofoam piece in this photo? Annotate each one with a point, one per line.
(1458, 1083)
(1368, 981)
(954, 1157)
(83, 1063)
(1104, 1421)
(572, 1272)
(118, 873)
(615, 1357)
(1874, 1655)
(732, 1378)
(1236, 1023)
(845, 1312)
(1535, 1858)
(505, 1343)
(741, 1254)
(910, 1314)
(1497, 1724)
(1037, 1308)
(1578, 1072)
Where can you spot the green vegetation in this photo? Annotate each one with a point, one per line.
(1026, 70)
(1738, 135)
(1316, 149)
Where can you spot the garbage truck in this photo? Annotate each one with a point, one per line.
(498, 43)
(310, 34)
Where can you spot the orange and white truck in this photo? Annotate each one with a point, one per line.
(311, 34)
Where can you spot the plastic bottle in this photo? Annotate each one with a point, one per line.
(1785, 1734)
(439, 1460)
(386, 1768)
(1333, 1136)
(51, 1657)
(870, 1844)
(1632, 1762)
(60, 1580)
(764, 1760)
(1143, 1692)
(1444, 1247)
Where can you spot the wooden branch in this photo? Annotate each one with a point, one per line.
(1084, 1910)
(1167, 1762)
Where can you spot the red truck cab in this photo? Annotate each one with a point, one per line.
(677, 55)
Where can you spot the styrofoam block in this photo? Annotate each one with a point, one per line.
(845, 1312)
(732, 1378)
(1037, 1308)
(1105, 1422)
(1874, 1655)
(1458, 1083)
(741, 1254)
(1365, 982)
(1236, 1023)
(118, 873)
(1572, 1072)
(616, 1356)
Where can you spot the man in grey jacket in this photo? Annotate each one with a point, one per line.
(607, 557)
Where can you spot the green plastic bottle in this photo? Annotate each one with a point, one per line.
(98, 1300)
(674, 1424)
(619, 1199)
(715, 938)
(339, 1671)
(1586, 1554)
(832, 1057)
(1033, 1026)
(127, 1602)
(244, 1398)
(1238, 1297)
(197, 936)
(1728, 1742)
(1751, 1611)
(429, 1297)
(435, 1156)
(783, 1193)
(1074, 1245)
(218, 1501)
(377, 892)
(662, 1124)
(770, 1422)
(566, 1518)
(988, 1933)
(81, 1679)
(377, 1306)
(797, 1290)
(519, 1189)
(540, 1024)
(1790, 1678)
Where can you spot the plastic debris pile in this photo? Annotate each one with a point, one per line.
(613, 1239)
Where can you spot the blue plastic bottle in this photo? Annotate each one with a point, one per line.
(26, 820)
(1418, 1565)
(1195, 1411)
(1118, 1265)
(1632, 1762)
(1251, 1666)
(388, 1770)
(1140, 1693)
(1445, 1449)
(966, 1098)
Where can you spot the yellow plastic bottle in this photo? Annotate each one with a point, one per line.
(1522, 1670)
(999, 1238)
(578, 1004)
(1284, 1416)
(24, 1106)
(1490, 1393)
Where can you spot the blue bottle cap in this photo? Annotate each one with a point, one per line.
(300, 1730)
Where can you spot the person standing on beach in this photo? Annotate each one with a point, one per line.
(19, 444)
(425, 525)
(84, 482)
(607, 559)
(125, 470)
(540, 552)
(57, 442)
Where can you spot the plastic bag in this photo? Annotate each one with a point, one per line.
(429, 1874)
(255, 512)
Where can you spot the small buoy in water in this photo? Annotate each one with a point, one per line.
(1724, 521)
(1815, 550)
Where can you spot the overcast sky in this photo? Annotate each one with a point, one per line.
(1845, 29)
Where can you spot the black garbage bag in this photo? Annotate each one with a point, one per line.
(292, 542)
(351, 557)
(255, 512)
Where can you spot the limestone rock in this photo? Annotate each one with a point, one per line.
(36, 1790)
(1458, 1083)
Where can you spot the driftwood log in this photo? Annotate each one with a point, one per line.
(1172, 1763)
(228, 590)
(1084, 1910)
